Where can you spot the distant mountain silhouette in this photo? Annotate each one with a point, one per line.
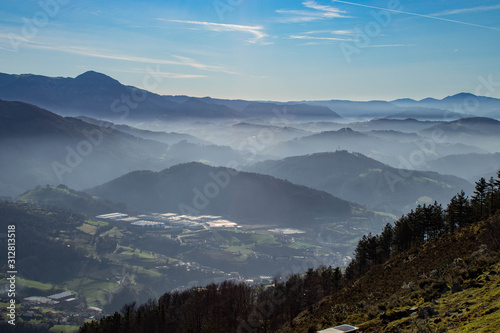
(404, 125)
(360, 179)
(44, 148)
(168, 138)
(387, 150)
(466, 103)
(468, 166)
(474, 125)
(480, 131)
(429, 114)
(195, 188)
(289, 110)
(97, 95)
(355, 109)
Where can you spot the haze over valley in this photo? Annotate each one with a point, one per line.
(326, 168)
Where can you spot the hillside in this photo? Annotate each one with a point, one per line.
(479, 131)
(38, 229)
(66, 198)
(456, 291)
(44, 148)
(468, 126)
(468, 166)
(168, 138)
(360, 179)
(396, 282)
(195, 188)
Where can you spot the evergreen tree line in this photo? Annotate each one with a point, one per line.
(424, 223)
(238, 307)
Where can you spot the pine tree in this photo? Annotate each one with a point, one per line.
(490, 194)
(480, 194)
(385, 242)
(458, 212)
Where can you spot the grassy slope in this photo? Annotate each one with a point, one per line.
(457, 276)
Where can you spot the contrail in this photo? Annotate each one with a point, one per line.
(420, 15)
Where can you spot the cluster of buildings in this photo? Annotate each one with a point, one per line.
(60, 308)
(170, 220)
(64, 299)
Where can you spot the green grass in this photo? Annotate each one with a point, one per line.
(483, 305)
(96, 292)
(130, 253)
(115, 232)
(64, 329)
(425, 179)
(33, 284)
(265, 239)
(97, 223)
(476, 309)
(150, 272)
(88, 229)
(389, 215)
(301, 244)
(240, 249)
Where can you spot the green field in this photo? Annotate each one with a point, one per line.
(64, 329)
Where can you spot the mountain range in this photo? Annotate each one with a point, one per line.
(472, 166)
(248, 198)
(395, 151)
(45, 148)
(462, 103)
(98, 95)
(361, 179)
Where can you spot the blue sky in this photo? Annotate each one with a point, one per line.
(262, 49)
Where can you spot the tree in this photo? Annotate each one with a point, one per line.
(480, 194)
(402, 234)
(435, 221)
(490, 193)
(458, 212)
(385, 242)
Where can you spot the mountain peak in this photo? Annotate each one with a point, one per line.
(461, 95)
(95, 76)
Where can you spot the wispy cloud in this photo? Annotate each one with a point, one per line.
(388, 45)
(193, 63)
(467, 10)
(320, 38)
(334, 12)
(319, 12)
(257, 31)
(7, 49)
(161, 74)
(434, 17)
(96, 53)
(333, 32)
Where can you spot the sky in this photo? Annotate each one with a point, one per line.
(278, 50)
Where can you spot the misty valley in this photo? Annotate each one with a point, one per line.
(121, 195)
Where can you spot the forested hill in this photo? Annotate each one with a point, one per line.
(435, 269)
(194, 188)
